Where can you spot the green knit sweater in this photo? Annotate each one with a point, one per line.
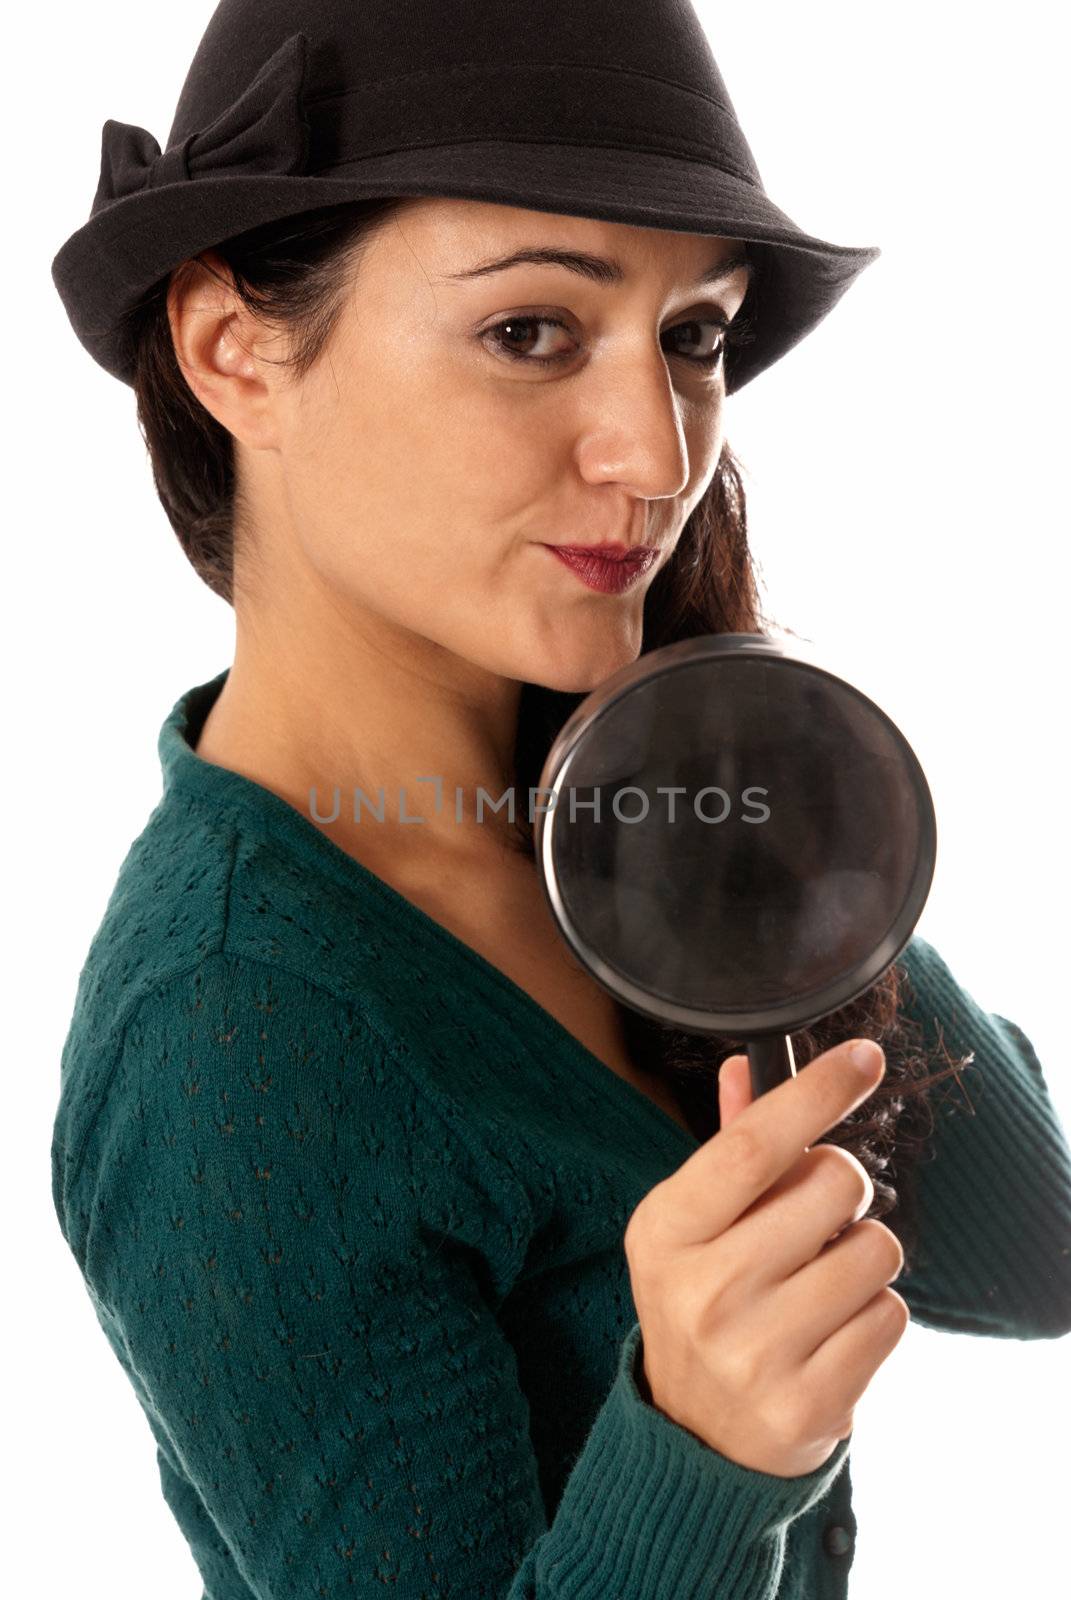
(349, 1204)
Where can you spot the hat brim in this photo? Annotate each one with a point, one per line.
(110, 263)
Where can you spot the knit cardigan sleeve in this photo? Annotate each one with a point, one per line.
(296, 1258)
(994, 1193)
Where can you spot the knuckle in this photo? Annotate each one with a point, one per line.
(795, 1418)
(717, 1282)
(746, 1154)
(845, 1426)
(741, 1366)
(644, 1239)
(645, 1213)
(845, 1173)
(895, 1309)
(882, 1245)
(691, 1308)
(637, 1232)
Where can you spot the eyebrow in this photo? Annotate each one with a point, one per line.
(604, 270)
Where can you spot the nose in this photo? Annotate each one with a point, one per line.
(632, 430)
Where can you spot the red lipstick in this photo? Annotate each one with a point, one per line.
(609, 568)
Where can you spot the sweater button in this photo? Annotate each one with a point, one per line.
(836, 1540)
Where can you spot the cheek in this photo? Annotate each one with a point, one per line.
(704, 436)
(400, 502)
(494, 447)
(455, 489)
(417, 444)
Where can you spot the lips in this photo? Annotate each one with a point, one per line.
(609, 552)
(611, 573)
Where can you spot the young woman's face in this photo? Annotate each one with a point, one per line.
(459, 423)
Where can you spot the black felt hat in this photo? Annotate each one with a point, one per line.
(611, 109)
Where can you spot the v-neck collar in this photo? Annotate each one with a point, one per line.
(191, 777)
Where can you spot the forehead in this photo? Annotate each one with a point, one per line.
(462, 232)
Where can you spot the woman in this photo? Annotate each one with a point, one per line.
(347, 1146)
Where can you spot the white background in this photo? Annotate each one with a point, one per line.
(909, 513)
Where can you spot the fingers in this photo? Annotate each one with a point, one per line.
(823, 1193)
(734, 1088)
(761, 1142)
(844, 1364)
(823, 1296)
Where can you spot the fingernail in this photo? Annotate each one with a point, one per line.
(867, 1055)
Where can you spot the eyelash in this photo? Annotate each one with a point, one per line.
(729, 330)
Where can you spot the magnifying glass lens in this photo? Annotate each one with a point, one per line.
(731, 840)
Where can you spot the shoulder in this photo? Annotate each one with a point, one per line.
(239, 1072)
(199, 882)
(933, 996)
(914, 963)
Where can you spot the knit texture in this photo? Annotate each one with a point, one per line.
(349, 1205)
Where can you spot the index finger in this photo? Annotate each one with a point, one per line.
(729, 1172)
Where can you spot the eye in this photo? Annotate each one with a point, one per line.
(512, 331)
(708, 357)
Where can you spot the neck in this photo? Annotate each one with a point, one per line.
(317, 715)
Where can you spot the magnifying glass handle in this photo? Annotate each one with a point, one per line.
(771, 1060)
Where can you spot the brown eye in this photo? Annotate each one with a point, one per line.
(513, 337)
(705, 356)
(512, 331)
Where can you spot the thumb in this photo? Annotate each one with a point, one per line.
(734, 1088)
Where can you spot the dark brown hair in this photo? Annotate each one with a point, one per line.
(295, 274)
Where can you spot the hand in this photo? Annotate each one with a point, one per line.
(760, 1286)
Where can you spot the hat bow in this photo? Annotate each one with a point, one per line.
(263, 131)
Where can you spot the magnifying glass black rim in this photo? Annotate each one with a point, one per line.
(801, 1011)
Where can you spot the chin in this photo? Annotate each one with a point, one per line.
(579, 671)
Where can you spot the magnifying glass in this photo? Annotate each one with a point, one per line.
(734, 840)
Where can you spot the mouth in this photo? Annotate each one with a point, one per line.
(608, 552)
(610, 569)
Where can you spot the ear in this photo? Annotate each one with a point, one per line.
(215, 340)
